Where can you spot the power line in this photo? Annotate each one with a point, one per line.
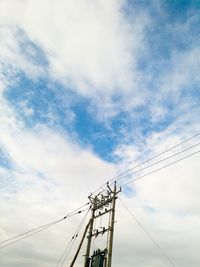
(72, 241)
(39, 229)
(149, 236)
(52, 223)
(24, 237)
(163, 167)
(157, 162)
(146, 161)
(156, 156)
(75, 237)
(67, 249)
(33, 230)
(118, 177)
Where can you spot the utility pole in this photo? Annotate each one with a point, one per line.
(87, 254)
(102, 204)
(111, 226)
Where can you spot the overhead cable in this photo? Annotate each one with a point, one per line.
(148, 235)
(69, 246)
(34, 231)
(156, 156)
(157, 162)
(163, 167)
(117, 177)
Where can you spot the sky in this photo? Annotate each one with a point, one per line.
(89, 89)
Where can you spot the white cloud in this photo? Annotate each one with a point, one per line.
(90, 47)
(12, 55)
(53, 154)
(93, 48)
(89, 44)
(165, 202)
(50, 176)
(183, 75)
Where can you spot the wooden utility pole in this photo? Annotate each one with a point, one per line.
(102, 203)
(80, 245)
(111, 227)
(87, 254)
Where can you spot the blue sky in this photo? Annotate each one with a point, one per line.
(172, 29)
(88, 89)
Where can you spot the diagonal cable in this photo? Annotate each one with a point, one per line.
(38, 229)
(71, 243)
(148, 235)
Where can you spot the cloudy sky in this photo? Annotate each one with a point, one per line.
(88, 89)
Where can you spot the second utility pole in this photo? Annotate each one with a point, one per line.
(111, 226)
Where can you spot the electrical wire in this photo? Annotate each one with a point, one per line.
(69, 246)
(33, 230)
(148, 235)
(13, 242)
(117, 177)
(156, 156)
(38, 229)
(71, 243)
(74, 240)
(65, 251)
(122, 175)
(157, 162)
(163, 167)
